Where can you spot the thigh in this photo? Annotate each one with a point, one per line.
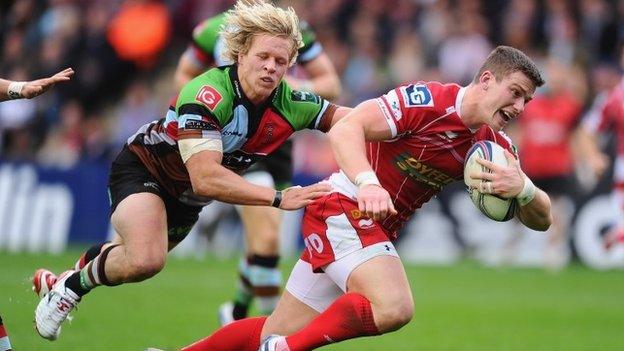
(305, 296)
(140, 220)
(382, 280)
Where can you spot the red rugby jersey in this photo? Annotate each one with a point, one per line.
(428, 148)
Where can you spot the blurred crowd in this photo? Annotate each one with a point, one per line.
(124, 53)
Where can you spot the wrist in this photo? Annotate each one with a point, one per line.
(14, 91)
(277, 199)
(366, 178)
(527, 194)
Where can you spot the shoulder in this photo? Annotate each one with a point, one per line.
(297, 106)
(211, 89)
(423, 96)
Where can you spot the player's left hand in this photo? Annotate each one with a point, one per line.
(37, 87)
(375, 202)
(505, 181)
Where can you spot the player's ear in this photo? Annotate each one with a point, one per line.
(485, 79)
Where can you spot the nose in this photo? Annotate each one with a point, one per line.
(270, 65)
(519, 105)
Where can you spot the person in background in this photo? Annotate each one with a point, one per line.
(259, 276)
(544, 136)
(607, 116)
(10, 90)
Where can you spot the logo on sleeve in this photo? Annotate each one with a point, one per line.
(395, 104)
(417, 96)
(209, 96)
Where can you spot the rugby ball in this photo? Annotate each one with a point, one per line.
(493, 206)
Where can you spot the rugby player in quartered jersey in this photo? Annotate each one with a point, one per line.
(214, 105)
(221, 122)
(259, 277)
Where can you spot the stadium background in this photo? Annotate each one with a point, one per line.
(55, 152)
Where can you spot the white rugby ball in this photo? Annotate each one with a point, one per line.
(493, 206)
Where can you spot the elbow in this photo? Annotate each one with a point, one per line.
(205, 186)
(542, 224)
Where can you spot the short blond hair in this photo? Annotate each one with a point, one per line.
(250, 18)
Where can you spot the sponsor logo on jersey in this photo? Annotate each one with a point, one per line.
(304, 96)
(417, 96)
(395, 104)
(421, 172)
(356, 214)
(209, 96)
(200, 125)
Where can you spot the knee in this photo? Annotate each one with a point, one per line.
(394, 316)
(145, 266)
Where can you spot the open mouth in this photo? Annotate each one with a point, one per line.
(506, 115)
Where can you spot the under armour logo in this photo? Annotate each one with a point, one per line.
(387, 247)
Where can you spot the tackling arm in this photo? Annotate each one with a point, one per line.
(209, 178)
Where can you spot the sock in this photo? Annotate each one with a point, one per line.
(91, 275)
(244, 295)
(265, 279)
(5, 343)
(89, 255)
(242, 335)
(350, 316)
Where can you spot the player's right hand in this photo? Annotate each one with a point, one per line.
(296, 197)
(375, 202)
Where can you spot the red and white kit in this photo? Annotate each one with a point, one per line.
(426, 153)
(608, 114)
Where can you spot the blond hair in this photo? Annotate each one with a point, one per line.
(250, 18)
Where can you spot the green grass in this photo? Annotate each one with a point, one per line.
(463, 307)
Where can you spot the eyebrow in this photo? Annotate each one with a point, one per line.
(527, 97)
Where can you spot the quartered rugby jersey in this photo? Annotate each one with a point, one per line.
(428, 150)
(213, 105)
(208, 45)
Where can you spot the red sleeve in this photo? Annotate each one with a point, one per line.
(406, 107)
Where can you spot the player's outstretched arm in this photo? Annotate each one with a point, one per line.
(31, 89)
(209, 178)
(348, 136)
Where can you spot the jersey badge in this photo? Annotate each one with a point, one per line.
(417, 96)
(209, 96)
(304, 96)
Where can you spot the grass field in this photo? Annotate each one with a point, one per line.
(463, 307)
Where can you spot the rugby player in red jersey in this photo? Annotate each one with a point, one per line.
(607, 114)
(350, 281)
